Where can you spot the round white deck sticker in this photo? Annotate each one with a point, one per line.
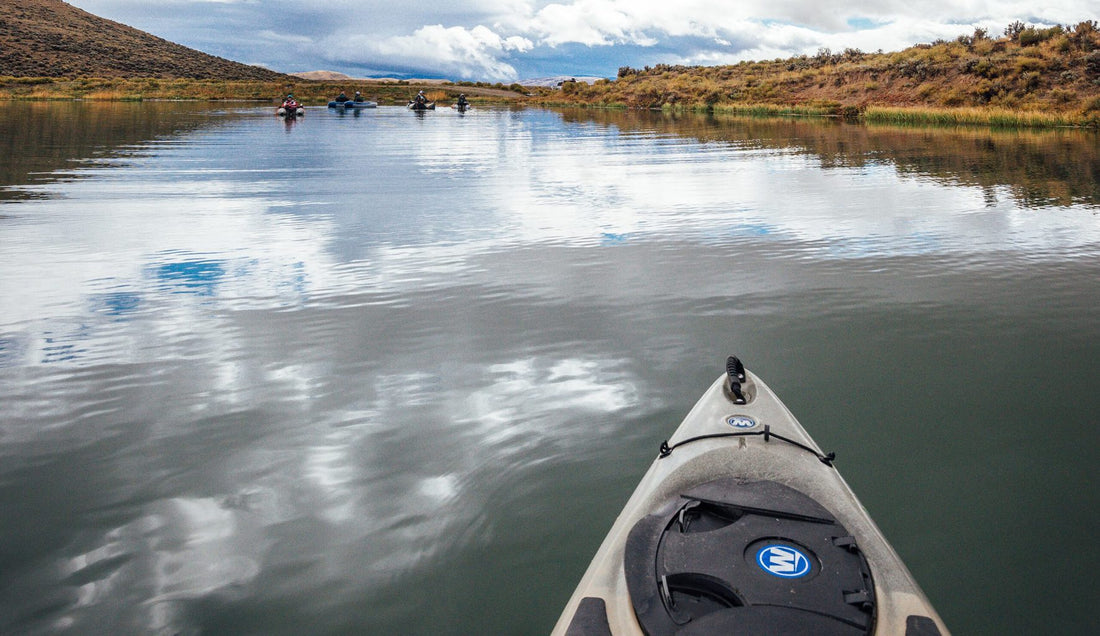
(741, 421)
(784, 561)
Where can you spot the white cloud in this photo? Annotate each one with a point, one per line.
(587, 22)
(283, 38)
(475, 52)
(489, 39)
(899, 23)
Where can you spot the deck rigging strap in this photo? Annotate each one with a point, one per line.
(666, 450)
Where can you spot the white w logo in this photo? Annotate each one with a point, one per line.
(783, 561)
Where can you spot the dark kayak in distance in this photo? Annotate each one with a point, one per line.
(352, 105)
(743, 526)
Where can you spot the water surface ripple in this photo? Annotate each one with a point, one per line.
(381, 372)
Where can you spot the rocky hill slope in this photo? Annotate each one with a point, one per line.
(49, 38)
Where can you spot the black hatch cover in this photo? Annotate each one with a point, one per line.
(733, 556)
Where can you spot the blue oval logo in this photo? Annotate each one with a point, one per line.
(783, 561)
(740, 421)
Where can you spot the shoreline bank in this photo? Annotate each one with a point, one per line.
(320, 92)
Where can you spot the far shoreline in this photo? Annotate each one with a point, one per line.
(398, 92)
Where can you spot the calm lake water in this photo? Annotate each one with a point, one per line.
(390, 373)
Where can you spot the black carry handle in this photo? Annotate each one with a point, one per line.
(735, 369)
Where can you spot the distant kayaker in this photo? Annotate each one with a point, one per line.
(462, 100)
(358, 97)
(289, 102)
(342, 97)
(420, 98)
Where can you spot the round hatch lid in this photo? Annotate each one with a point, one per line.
(733, 556)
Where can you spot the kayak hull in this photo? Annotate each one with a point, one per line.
(290, 112)
(352, 105)
(416, 106)
(749, 461)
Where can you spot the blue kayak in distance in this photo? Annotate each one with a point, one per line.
(352, 105)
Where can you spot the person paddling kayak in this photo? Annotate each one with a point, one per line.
(290, 108)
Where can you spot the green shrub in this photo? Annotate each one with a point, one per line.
(29, 81)
(984, 47)
(1012, 31)
(953, 97)
(1030, 80)
(1028, 64)
(1032, 36)
(982, 67)
(985, 91)
(1062, 96)
(926, 90)
(1092, 63)
(1086, 36)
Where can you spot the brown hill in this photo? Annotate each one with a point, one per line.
(1048, 70)
(49, 38)
(322, 76)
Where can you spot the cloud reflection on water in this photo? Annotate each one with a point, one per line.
(296, 382)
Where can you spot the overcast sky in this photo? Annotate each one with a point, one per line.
(505, 40)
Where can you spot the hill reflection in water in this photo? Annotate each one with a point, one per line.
(1036, 168)
(42, 142)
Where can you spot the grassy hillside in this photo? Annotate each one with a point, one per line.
(307, 91)
(49, 38)
(1055, 72)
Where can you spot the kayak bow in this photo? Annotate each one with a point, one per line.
(742, 525)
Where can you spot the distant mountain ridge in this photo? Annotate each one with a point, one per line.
(49, 38)
(549, 82)
(323, 76)
(558, 80)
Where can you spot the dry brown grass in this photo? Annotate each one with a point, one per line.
(308, 92)
(1052, 75)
